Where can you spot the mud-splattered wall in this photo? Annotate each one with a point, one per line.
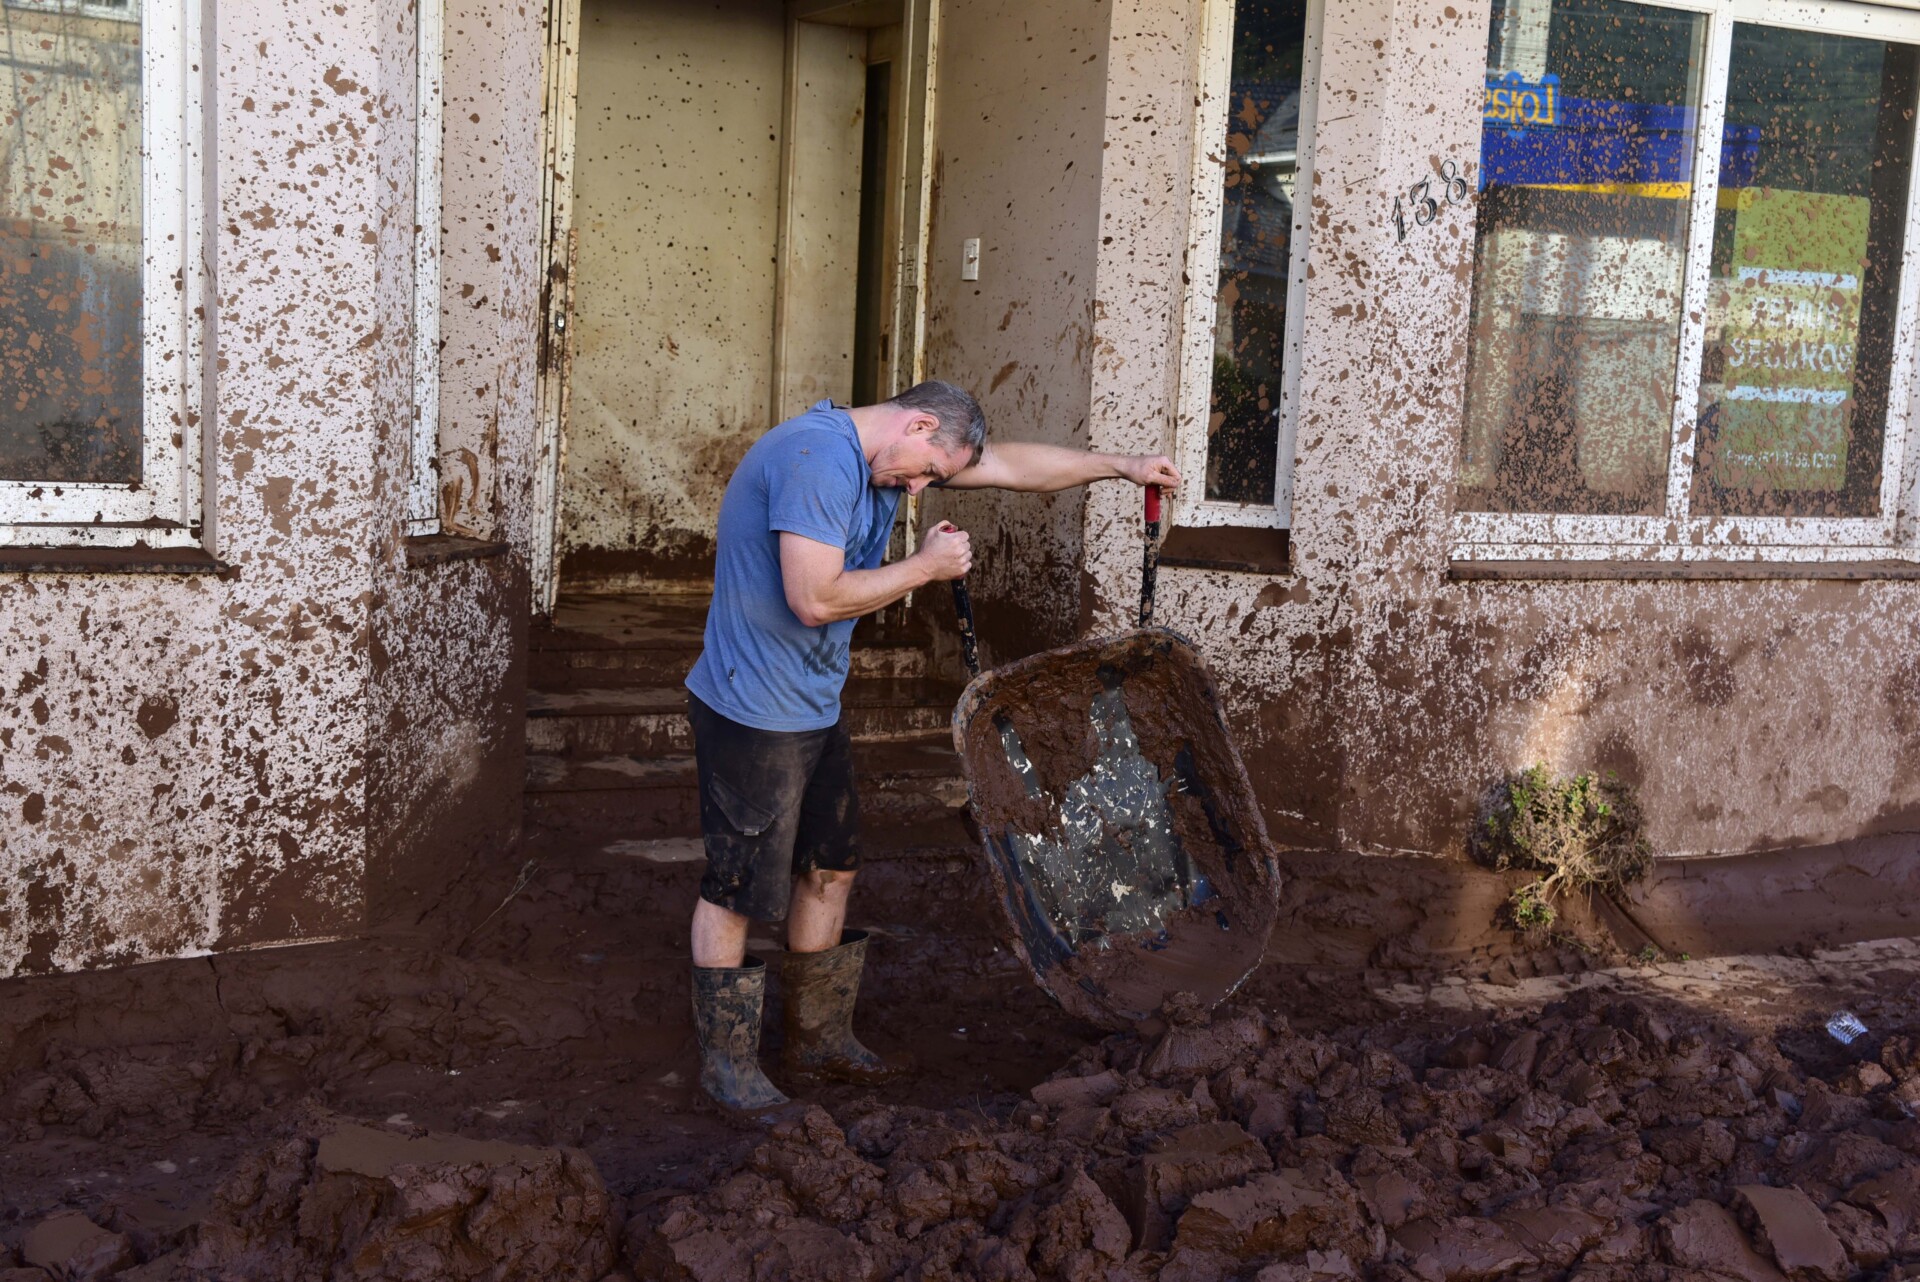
(1377, 698)
(1017, 163)
(186, 762)
(676, 190)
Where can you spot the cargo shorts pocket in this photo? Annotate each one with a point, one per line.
(748, 818)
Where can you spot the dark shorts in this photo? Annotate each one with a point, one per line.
(774, 805)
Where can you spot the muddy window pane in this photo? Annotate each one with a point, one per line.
(1580, 254)
(1806, 256)
(1256, 246)
(70, 298)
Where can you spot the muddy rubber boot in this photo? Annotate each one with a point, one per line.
(726, 1014)
(819, 991)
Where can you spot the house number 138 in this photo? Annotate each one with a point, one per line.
(1418, 201)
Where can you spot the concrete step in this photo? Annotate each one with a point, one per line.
(557, 667)
(587, 819)
(629, 713)
(903, 780)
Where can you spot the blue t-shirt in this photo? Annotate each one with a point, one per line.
(760, 665)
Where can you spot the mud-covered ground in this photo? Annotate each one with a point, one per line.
(510, 1097)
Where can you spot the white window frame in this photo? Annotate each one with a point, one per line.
(1677, 535)
(423, 437)
(1206, 203)
(163, 509)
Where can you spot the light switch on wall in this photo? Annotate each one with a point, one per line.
(970, 258)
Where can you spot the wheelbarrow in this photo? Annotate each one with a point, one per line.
(1128, 855)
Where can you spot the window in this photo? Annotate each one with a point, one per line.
(100, 273)
(1252, 175)
(1692, 328)
(423, 455)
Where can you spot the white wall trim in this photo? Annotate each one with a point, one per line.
(1679, 534)
(423, 461)
(1213, 83)
(164, 509)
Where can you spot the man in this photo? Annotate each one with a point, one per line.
(803, 527)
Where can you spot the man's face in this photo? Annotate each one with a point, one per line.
(914, 461)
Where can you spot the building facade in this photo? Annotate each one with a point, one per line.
(1542, 371)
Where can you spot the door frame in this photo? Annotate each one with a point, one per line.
(560, 76)
(561, 84)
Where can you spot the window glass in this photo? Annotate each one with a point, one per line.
(1256, 247)
(1580, 256)
(70, 248)
(1808, 235)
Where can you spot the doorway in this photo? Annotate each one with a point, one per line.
(737, 210)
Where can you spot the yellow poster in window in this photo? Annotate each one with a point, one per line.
(1788, 312)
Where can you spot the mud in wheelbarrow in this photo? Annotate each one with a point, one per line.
(1126, 849)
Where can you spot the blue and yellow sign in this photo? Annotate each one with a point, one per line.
(1520, 104)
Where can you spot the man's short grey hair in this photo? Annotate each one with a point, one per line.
(963, 424)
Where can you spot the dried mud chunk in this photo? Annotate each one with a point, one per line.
(1154, 1108)
(1863, 1235)
(1704, 1235)
(1360, 1116)
(1284, 1213)
(810, 1155)
(1318, 1266)
(1180, 1166)
(1792, 1229)
(75, 1249)
(1271, 1115)
(1461, 1250)
(1895, 1198)
(1063, 1093)
(1837, 1162)
(1825, 1109)
(1076, 1228)
(1706, 1144)
(1557, 1235)
(992, 1259)
(1393, 1198)
(1187, 1051)
(374, 1205)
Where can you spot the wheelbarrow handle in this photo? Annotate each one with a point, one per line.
(963, 609)
(1150, 559)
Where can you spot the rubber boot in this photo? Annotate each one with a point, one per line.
(819, 991)
(726, 1014)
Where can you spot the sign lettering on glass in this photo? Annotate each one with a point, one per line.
(1520, 104)
(1791, 309)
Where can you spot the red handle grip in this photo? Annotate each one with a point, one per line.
(1153, 502)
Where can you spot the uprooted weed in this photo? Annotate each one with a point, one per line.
(1578, 831)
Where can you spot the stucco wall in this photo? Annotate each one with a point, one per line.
(676, 194)
(186, 766)
(1017, 163)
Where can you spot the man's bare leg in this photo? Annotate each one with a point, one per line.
(817, 911)
(719, 936)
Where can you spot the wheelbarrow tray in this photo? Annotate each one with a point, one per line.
(1128, 855)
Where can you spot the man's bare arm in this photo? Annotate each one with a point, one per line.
(1033, 468)
(820, 589)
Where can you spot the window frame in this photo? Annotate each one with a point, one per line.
(423, 436)
(1199, 308)
(1677, 534)
(163, 509)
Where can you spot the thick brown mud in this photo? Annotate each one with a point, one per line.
(504, 1091)
(1095, 772)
